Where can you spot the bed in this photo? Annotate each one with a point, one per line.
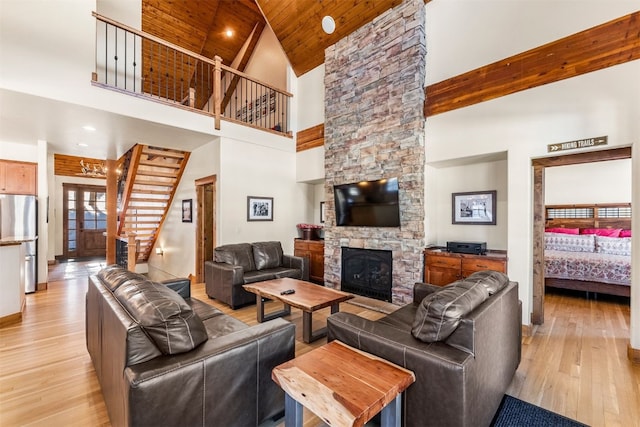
(588, 248)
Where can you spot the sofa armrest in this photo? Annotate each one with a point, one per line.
(301, 263)
(220, 278)
(421, 290)
(210, 379)
(181, 285)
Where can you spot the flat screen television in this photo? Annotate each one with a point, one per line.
(368, 203)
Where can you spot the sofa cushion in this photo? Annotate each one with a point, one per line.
(236, 254)
(492, 280)
(163, 314)
(439, 314)
(267, 255)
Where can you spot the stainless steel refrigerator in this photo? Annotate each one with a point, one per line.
(19, 221)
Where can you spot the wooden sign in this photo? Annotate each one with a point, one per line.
(579, 143)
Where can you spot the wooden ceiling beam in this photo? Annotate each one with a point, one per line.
(612, 43)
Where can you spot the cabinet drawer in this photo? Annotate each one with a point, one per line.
(301, 245)
(482, 264)
(443, 261)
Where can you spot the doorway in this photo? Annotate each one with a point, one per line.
(539, 165)
(84, 221)
(206, 223)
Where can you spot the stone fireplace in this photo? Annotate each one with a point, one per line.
(367, 272)
(374, 128)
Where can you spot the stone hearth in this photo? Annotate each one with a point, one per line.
(374, 128)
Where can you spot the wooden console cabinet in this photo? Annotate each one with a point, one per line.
(313, 250)
(442, 268)
(18, 177)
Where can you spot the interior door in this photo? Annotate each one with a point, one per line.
(85, 221)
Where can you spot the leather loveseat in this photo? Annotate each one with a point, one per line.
(462, 341)
(166, 359)
(238, 264)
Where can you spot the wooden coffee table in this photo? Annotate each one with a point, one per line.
(308, 297)
(342, 386)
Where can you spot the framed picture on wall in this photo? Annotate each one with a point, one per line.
(259, 208)
(475, 207)
(187, 210)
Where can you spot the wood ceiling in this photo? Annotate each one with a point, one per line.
(200, 25)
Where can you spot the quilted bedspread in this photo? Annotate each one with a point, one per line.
(590, 266)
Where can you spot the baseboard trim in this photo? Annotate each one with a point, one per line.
(633, 354)
(528, 330)
(10, 319)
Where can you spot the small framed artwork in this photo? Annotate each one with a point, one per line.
(476, 207)
(322, 212)
(259, 208)
(187, 210)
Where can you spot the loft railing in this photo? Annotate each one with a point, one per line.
(132, 61)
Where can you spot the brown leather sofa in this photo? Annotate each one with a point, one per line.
(238, 264)
(166, 359)
(462, 342)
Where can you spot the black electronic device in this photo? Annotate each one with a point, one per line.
(288, 292)
(475, 248)
(368, 203)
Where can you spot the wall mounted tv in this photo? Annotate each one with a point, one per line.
(368, 203)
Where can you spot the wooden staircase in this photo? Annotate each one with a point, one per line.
(153, 175)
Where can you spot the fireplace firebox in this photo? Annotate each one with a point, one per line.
(367, 272)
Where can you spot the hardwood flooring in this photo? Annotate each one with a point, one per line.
(575, 364)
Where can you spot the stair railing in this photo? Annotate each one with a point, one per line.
(134, 62)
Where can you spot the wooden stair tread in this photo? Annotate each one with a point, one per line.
(163, 153)
(155, 164)
(155, 173)
(154, 183)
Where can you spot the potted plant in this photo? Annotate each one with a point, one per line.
(309, 231)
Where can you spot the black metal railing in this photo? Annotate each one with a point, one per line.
(141, 64)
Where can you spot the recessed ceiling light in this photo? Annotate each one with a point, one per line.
(82, 144)
(229, 33)
(89, 128)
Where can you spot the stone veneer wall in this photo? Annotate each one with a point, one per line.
(374, 128)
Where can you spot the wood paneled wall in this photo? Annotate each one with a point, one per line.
(612, 43)
(310, 138)
(70, 165)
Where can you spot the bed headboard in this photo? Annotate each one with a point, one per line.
(605, 215)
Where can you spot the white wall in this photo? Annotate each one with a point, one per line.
(268, 62)
(480, 176)
(177, 238)
(311, 98)
(253, 163)
(605, 102)
(602, 182)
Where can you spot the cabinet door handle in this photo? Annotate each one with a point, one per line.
(482, 266)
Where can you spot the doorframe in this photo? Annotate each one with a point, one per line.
(200, 225)
(539, 166)
(66, 186)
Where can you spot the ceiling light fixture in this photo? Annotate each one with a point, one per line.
(89, 128)
(82, 144)
(229, 33)
(328, 24)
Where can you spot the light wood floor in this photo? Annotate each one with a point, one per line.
(575, 364)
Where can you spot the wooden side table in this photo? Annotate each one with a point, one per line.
(343, 386)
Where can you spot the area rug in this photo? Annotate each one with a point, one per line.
(516, 413)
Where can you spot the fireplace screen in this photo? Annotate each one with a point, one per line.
(367, 272)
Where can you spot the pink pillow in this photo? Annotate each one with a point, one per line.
(604, 232)
(562, 230)
(625, 233)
